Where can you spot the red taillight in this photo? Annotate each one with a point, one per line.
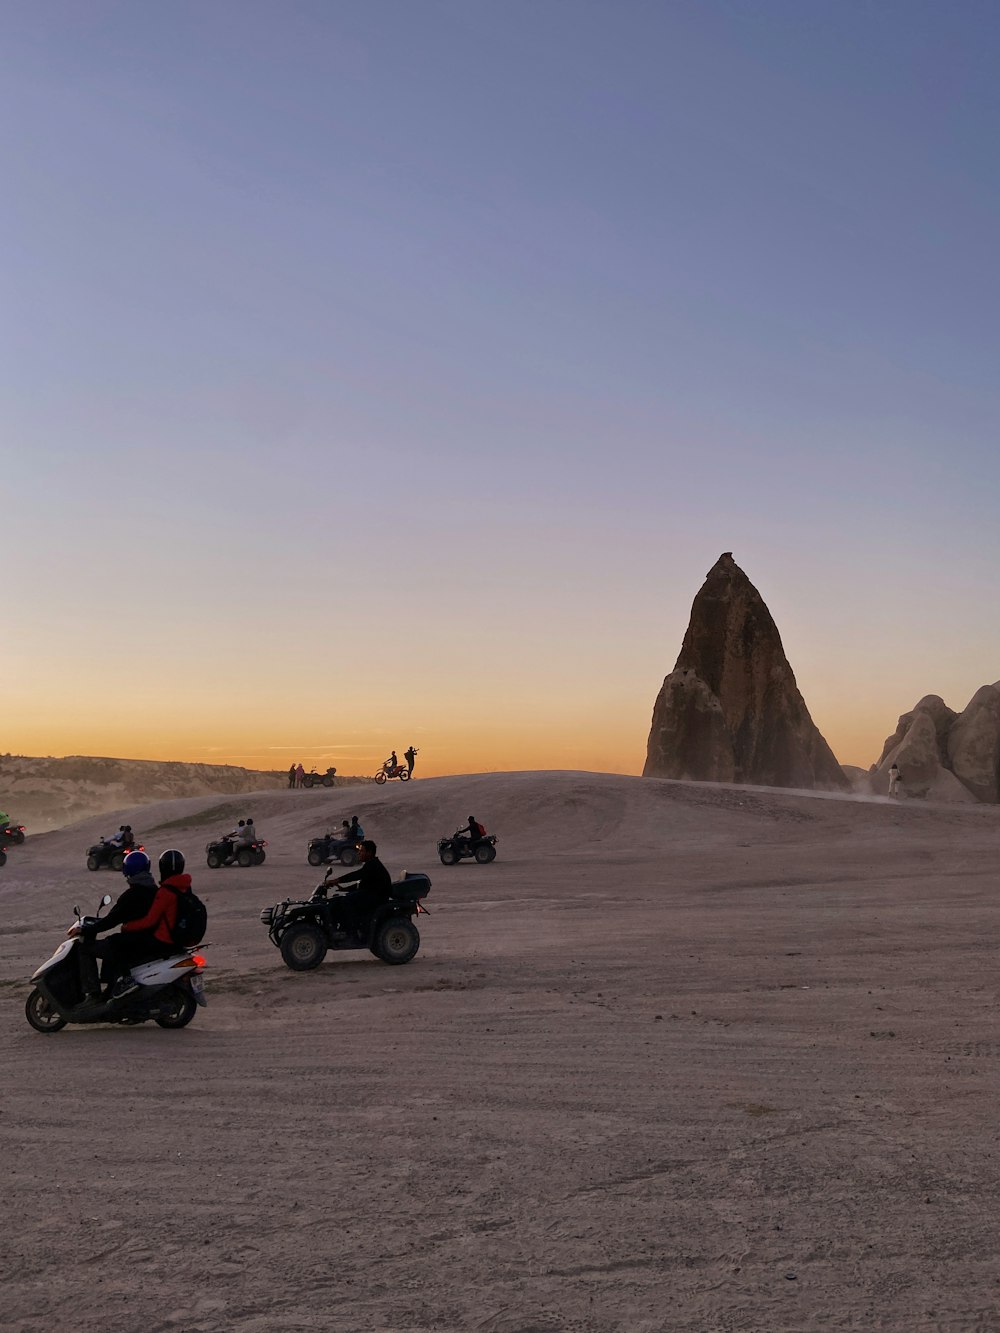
(199, 961)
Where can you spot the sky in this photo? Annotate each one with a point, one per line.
(381, 372)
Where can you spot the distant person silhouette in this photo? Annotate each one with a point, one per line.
(300, 773)
(893, 780)
(409, 755)
(291, 776)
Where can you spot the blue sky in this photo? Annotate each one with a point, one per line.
(389, 313)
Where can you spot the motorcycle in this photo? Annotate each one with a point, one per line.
(170, 989)
(221, 852)
(304, 930)
(332, 847)
(110, 854)
(315, 779)
(459, 846)
(389, 771)
(11, 833)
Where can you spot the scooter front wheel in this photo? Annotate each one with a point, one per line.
(41, 1015)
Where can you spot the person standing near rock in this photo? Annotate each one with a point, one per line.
(893, 780)
(291, 776)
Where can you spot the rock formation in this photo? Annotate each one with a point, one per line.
(730, 710)
(946, 755)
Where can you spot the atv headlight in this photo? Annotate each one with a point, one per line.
(267, 915)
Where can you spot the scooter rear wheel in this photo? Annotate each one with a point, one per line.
(180, 1008)
(41, 1015)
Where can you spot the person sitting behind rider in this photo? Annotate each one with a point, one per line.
(134, 945)
(374, 886)
(123, 838)
(356, 832)
(473, 832)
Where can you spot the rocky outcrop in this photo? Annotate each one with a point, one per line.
(943, 754)
(730, 711)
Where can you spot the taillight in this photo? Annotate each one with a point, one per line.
(199, 961)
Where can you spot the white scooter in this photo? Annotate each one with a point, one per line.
(170, 989)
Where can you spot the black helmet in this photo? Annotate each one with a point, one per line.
(249, 819)
(171, 863)
(121, 828)
(241, 823)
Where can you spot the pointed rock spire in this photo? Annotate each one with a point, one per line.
(730, 710)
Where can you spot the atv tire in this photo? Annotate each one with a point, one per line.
(214, 860)
(93, 863)
(484, 853)
(449, 857)
(244, 858)
(303, 947)
(396, 940)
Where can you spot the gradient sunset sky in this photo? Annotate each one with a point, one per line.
(390, 371)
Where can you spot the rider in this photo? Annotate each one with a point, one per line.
(356, 833)
(391, 764)
(133, 945)
(374, 885)
(123, 838)
(474, 832)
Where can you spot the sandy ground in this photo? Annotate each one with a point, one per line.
(685, 1057)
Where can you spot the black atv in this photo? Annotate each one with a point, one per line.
(304, 930)
(332, 847)
(224, 853)
(109, 855)
(460, 845)
(11, 834)
(315, 779)
(3, 857)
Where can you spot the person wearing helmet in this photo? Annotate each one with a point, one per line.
(119, 952)
(473, 833)
(123, 838)
(157, 926)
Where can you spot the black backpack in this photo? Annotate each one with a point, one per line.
(192, 919)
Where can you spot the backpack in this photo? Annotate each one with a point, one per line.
(192, 919)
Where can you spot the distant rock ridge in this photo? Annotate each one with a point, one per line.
(946, 755)
(730, 711)
(47, 793)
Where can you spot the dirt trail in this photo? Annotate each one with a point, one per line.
(683, 1058)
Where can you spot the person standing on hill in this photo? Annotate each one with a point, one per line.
(409, 755)
(291, 776)
(300, 773)
(893, 780)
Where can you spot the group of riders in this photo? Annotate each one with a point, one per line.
(392, 768)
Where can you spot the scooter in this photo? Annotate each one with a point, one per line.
(169, 989)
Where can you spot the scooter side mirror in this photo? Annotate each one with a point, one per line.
(106, 900)
(76, 911)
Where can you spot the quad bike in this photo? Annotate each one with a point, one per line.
(110, 854)
(11, 833)
(315, 779)
(305, 929)
(459, 846)
(169, 989)
(3, 857)
(389, 771)
(221, 852)
(332, 847)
